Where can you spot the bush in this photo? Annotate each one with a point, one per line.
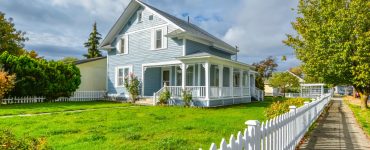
(132, 86)
(164, 97)
(7, 83)
(281, 107)
(187, 97)
(8, 141)
(39, 77)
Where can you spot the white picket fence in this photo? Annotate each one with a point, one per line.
(76, 96)
(281, 133)
(23, 100)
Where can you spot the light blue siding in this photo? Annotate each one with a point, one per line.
(139, 51)
(195, 47)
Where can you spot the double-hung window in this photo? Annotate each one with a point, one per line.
(159, 40)
(121, 74)
(122, 45)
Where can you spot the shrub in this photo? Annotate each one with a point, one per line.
(187, 97)
(132, 84)
(9, 141)
(281, 107)
(7, 83)
(164, 97)
(39, 77)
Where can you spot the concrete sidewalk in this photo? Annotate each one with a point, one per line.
(337, 130)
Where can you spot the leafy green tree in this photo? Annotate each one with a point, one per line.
(297, 71)
(93, 43)
(333, 42)
(265, 68)
(69, 60)
(11, 40)
(284, 81)
(39, 77)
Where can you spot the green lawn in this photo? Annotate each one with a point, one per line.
(141, 127)
(55, 107)
(362, 116)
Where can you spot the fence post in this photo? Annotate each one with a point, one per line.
(294, 133)
(254, 134)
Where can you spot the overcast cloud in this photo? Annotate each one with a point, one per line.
(58, 28)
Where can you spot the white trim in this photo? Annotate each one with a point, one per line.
(170, 71)
(174, 62)
(194, 75)
(184, 47)
(164, 39)
(116, 73)
(150, 28)
(143, 69)
(157, 14)
(199, 74)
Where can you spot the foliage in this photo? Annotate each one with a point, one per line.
(187, 97)
(69, 60)
(265, 68)
(297, 71)
(362, 116)
(8, 141)
(281, 107)
(38, 77)
(333, 42)
(284, 80)
(164, 96)
(7, 83)
(93, 43)
(132, 84)
(144, 127)
(11, 40)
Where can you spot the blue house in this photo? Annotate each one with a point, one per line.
(167, 52)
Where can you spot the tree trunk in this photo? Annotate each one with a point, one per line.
(363, 98)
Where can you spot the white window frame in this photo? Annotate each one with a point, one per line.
(125, 49)
(163, 38)
(117, 73)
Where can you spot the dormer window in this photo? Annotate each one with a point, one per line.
(140, 16)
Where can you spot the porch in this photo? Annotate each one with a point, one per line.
(212, 81)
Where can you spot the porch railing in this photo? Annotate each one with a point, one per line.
(176, 92)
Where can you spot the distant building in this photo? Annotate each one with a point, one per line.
(93, 74)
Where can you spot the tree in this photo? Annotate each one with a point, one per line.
(333, 42)
(264, 69)
(132, 84)
(297, 71)
(69, 60)
(93, 43)
(11, 40)
(7, 83)
(284, 81)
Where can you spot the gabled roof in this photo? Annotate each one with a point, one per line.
(186, 28)
(299, 78)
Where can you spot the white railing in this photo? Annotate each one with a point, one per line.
(197, 91)
(280, 133)
(246, 91)
(176, 92)
(23, 100)
(258, 94)
(237, 91)
(83, 96)
(291, 95)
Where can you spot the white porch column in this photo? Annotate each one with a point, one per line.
(249, 84)
(231, 81)
(206, 73)
(220, 79)
(199, 74)
(183, 76)
(241, 78)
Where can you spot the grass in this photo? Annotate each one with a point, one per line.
(36, 108)
(142, 127)
(362, 116)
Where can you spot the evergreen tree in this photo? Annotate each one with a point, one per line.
(93, 43)
(11, 40)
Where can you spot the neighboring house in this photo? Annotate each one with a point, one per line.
(300, 80)
(163, 50)
(271, 91)
(93, 74)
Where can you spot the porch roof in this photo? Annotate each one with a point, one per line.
(203, 56)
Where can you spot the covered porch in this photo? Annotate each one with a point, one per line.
(213, 81)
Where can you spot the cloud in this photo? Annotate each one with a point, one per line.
(59, 28)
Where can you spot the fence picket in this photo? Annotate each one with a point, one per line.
(282, 132)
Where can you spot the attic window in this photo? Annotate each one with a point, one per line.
(151, 17)
(140, 16)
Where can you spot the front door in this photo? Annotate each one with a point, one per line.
(166, 77)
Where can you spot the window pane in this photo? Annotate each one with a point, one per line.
(126, 72)
(158, 39)
(120, 81)
(122, 46)
(120, 72)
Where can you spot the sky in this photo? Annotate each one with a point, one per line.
(58, 28)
